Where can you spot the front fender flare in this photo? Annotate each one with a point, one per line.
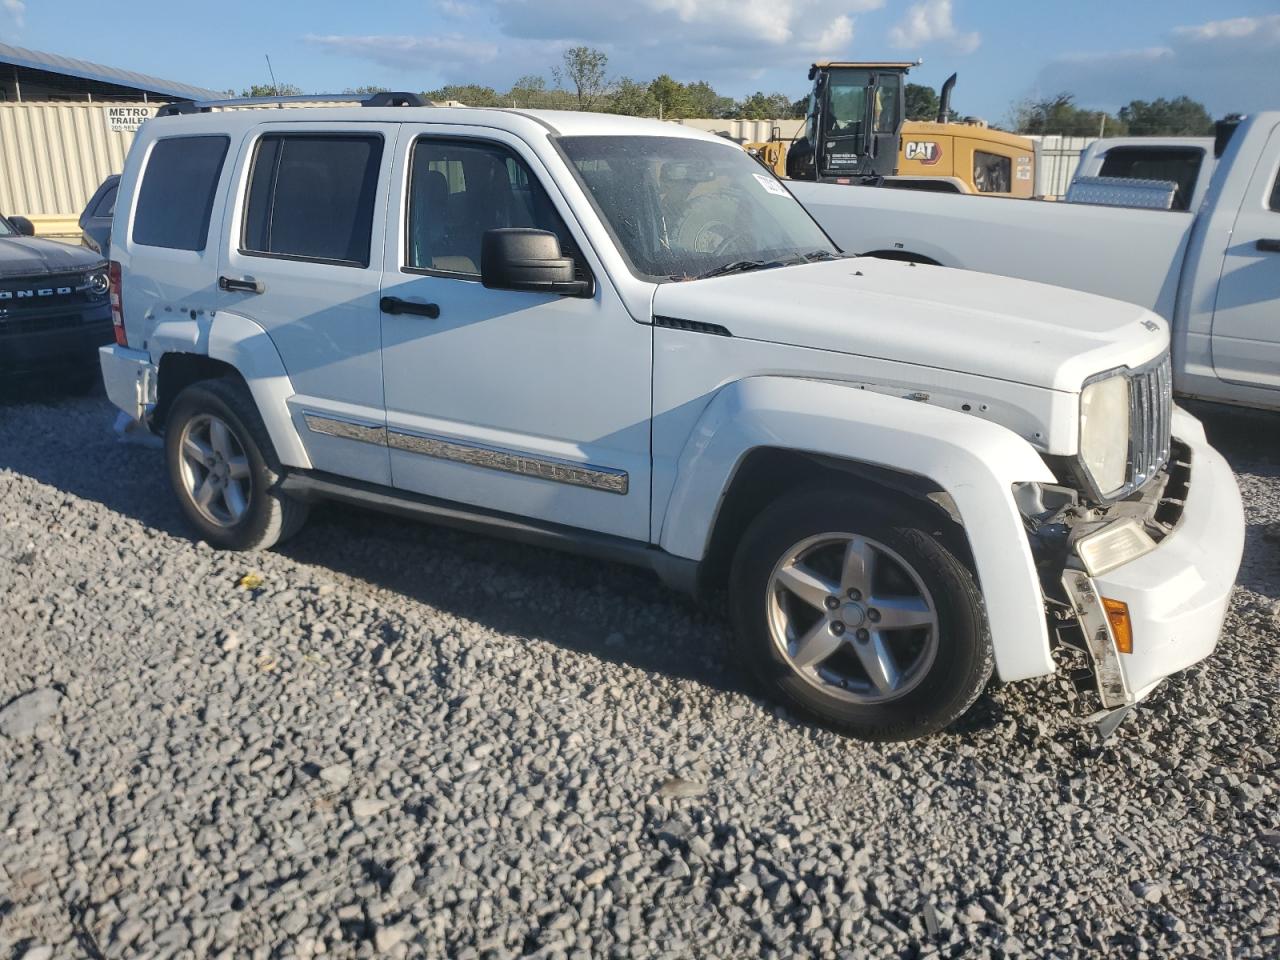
(246, 346)
(976, 462)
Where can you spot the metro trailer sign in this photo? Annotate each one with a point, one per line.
(127, 119)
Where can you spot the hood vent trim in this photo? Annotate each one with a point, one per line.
(692, 326)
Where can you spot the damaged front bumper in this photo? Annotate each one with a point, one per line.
(1173, 599)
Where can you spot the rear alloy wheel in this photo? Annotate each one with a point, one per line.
(224, 469)
(857, 612)
(215, 470)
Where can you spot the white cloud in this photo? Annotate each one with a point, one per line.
(17, 9)
(422, 54)
(1225, 64)
(931, 22)
(729, 41)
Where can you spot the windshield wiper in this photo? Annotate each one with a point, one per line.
(743, 266)
(739, 266)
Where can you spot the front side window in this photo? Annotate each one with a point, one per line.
(458, 189)
(311, 197)
(847, 99)
(886, 103)
(680, 207)
(175, 201)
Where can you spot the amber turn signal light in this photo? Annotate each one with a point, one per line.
(1121, 627)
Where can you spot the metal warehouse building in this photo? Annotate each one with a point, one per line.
(65, 125)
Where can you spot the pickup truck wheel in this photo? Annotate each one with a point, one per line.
(856, 612)
(224, 469)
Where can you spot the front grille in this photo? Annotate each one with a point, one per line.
(25, 326)
(44, 294)
(1150, 420)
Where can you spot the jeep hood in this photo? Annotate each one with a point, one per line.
(22, 257)
(957, 320)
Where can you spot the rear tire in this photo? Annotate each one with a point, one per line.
(224, 470)
(855, 611)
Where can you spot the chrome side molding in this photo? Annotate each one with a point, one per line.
(591, 476)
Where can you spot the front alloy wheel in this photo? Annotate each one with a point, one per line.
(852, 618)
(854, 609)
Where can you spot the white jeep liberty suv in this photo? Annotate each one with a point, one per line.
(625, 337)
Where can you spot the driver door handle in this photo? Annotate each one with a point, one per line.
(396, 306)
(1269, 244)
(247, 285)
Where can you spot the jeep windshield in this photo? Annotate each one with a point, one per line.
(684, 209)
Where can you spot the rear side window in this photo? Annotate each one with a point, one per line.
(311, 197)
(176, 197)
(107, 202)
(1179, 164)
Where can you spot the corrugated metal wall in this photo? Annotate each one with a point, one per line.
(748, 131)
(53, 155)
(1057, 157)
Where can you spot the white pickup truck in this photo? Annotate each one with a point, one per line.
(623, 337)
(1212, 271)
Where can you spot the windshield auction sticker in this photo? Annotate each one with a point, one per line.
(771, 185)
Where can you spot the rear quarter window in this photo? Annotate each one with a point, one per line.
(1179, 164)
(175, 200)
(311, 197)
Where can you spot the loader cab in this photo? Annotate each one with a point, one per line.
(853, 122)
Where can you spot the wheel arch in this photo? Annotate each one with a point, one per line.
(963, 470)
(228, 345)
(769, 472)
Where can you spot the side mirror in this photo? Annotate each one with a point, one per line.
(516, 258)
(23, 226)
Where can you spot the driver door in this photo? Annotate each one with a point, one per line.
(526, 403)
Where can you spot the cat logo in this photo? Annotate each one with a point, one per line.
(927, 152)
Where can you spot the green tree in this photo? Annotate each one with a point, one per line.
(632, 99)
(585, 70)
(528, 91)
(368, 88)
(472, 94)
(705, 102)
(671, 97)
(922, 102)
(272, 90)
(765, 106)
(1179, 117)
(1059, 114)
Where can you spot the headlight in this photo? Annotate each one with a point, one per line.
(1104, 432)
(96, 284)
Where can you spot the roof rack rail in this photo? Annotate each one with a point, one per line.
(383, 99)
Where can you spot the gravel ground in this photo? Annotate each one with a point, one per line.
(396, 740)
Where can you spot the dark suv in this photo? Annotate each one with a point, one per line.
(54, 309)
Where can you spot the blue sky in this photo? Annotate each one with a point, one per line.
(1107, 53)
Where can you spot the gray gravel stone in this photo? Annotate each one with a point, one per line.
(23, 715)
(413, 742)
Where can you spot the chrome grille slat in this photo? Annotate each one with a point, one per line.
(1150, 421)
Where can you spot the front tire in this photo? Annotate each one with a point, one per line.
(854, 611)
(224, 470)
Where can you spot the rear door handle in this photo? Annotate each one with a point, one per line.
(247, 285)
(395, 306)
(1269, 244)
